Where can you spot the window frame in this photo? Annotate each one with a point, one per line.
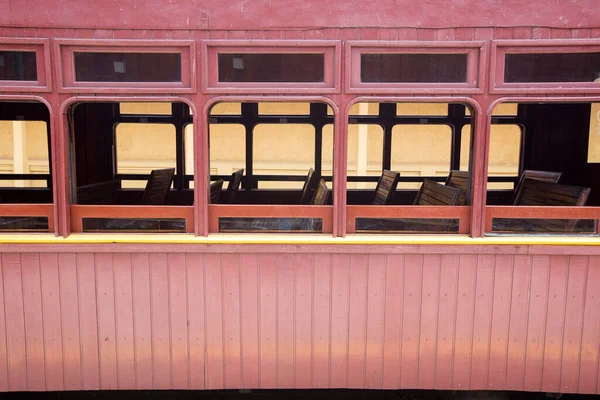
(41, 48)
(330, 48)
(476, 66)
(65, 49)
(533, 46)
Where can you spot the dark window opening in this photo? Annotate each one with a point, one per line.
(18, 66)
(552, 67)
(413, 68)
(127, 67)
(271, 67)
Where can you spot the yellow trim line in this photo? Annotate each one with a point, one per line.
(270, 239)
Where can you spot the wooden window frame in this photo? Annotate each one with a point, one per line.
(475, 51)
(502, 47)
(330, 48)
(41, 47)
(66, 48)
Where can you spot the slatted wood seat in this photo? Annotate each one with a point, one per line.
(432, 193)
(321, 194)
(215, 191)
(158, 187)
(460, 181)
(536, 193)
(386, 186)
(545, 176)
(234, 185)
(310, 185)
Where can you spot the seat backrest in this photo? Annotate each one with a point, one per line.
(545, 176)
(537, 193)
(386, 186)
(215, 191)
(460, 181)
(432, 193)
(158, 186)
(310, 185)
(321, 194)
(234, 185)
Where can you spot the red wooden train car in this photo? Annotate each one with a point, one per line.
(372, 276)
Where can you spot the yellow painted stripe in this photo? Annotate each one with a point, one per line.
(266, 239)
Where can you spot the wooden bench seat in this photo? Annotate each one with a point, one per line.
(460, 181)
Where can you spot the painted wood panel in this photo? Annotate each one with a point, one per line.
(229, 320)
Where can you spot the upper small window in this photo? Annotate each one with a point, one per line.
(413, 68)
(551, 67)
(274, 67)
(18, 66)
(127, 67)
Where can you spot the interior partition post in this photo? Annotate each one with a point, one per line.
(340, 167)
(201, 169)
(479, 167)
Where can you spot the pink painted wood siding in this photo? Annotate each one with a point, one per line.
(503, 320)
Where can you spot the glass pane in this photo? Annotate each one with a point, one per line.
(269, 108)
(229, 224)
(413, 68)
(365, 153)
(283, 149)
(24, 224)
(143, 147)
(226, 109)
(327, 153)
(163, 225)
(552, 67)
(543, 226)
(227, 148)
(465, 147)
(18, 66)
(24, 150)
(127, 67)
(375, 225)
(145, 108)
(421, 150)
(425, 109)
(505, 152)
(271, 67)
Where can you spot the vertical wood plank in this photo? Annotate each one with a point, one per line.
(88, 321)
(517, 336)
(500, 320)
(34, 324)
(267, 283)
(569, 376)
(465, 314)
(536, 325)
(15, 321)
(250, 324)
(106, 321)
(357, 320)
(124, 321)
(321, 310)
(375, 321)
(215, 375)
(159, 306)
(231, 321)
(449, 266)
(484, 296)
(4, 384)
(195, 291)
(590, 339)
(69, 321)
(179, 317)
(52, 316)
(340, 300)
(557, 293)
(285, 321)
(142, 321)
(394, 287)
(411, 320)
(429, 318)
(303, 289)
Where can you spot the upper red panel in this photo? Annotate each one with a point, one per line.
(277, 14)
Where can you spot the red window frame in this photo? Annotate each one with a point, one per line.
(502, 47)
(475, 51)
(67, 82)
(41, 47)
(330, 48)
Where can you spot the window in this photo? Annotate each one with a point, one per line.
(271, 67)
(271, 149)
(127, 67)
(544, 149)
(25, 177)
(407, 68)
(403, 156)
(129, 170)
(18, 66)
